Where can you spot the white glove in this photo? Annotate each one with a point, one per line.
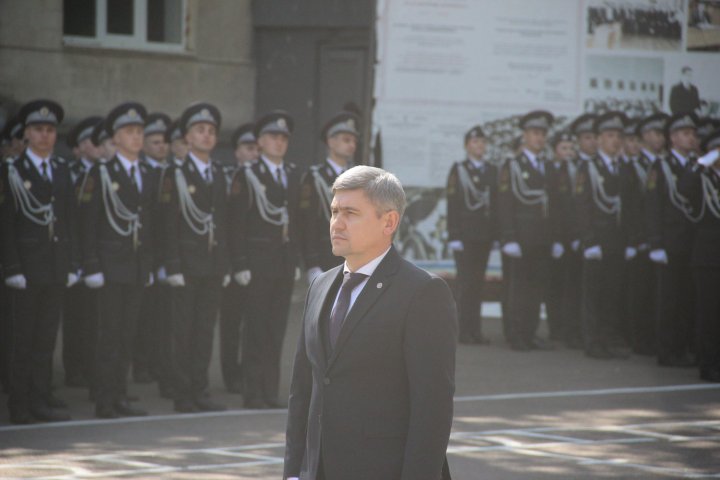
(298, 273)
(575, 245)
(72, 279)
(96, 280)
(593, 253)
(456, 245)
(243, 278)
(226, 280)
(151, 280)
(16, 281)
(312, 273)
(659, 255)
(161, 275)
(176, 280)
(512, 249)
(557, 250)
(709, 159)
(630, 253)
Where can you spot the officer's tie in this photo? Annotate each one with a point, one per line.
(133, 180)
(208, 178)
(44, 171)
(279, 177)
(337, 317)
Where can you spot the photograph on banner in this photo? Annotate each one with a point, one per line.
(635, 24)
(633, 85)
(693, 84)
(703, 30)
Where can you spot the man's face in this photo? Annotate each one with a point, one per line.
(16, 146)
(587, 143)
(88, 150)
(41, 138)
(273, 145)
(534, 139)
(564, 151)
(357, 229)
(107, 148)
(201, 137)
(686, 76)
(631, 146)
(684, 140)
(475, 147)
(129, 140)
(610, 142)
(246, 153)
(654, 140)
(343, 145)
(156, 147)
(179, 148)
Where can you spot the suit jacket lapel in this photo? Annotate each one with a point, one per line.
(376, 286)
(326, 286)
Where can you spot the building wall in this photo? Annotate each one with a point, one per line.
(216, 67)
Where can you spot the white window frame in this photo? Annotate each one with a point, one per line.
(137, 41)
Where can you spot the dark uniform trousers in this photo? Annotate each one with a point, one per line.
(232, 315)
(602, 297)
(668, 228)
(126, 269)
(526, 291)
(572, 297)
(203, 265)
(642, 291)
(79, 327)
(262, 248)
(45, 261)
(5, 336)
(707, 285)
(476, 229)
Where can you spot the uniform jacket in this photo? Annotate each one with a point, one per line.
(28, 248)
(480, 225)
(560, 193)
(313, 224)
(185, 251)
(380, 405)
(105, 250)
(706, 243)
(667, 226)
(255, 244)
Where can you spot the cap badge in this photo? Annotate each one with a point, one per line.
(205, 112)
(281, 123)
(44, 112)
(351, 124)
(132, 113)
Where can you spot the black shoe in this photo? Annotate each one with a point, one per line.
(275, 404)
(235, 387)
(204, 404)
(254, 404)
(166, 391)
(54, 402)
(574, 343)
(124, 409)
(540, 344)
(679, 361)
(467, 339)
(599, 352)
(76, 381)
(520, 346)
(132, 398)
(184, 406)
(619, 352)
(142, 377)
(21, 416)
(481, 339)
(710, 374)
(46, 414)
(105, 411)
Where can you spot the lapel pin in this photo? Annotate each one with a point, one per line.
(379, 285)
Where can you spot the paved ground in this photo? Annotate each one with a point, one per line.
(536, 415)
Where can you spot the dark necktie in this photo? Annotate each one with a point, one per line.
(278, 176)
(208, 179)
(44, 171)
(133, 180)
(337, 317)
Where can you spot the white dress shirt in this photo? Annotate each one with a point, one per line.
(651, 156)
(274, 168)
(204, 168)
(37, 160)
(680, 157)
(612, 165)
(127, 165)
(337, 168)
(367, 269)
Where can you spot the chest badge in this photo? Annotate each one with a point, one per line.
(115, 186)
(27, 184)
(379, 285)
(191, 189)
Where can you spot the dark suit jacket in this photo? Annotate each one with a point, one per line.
(380, 405)
(27, 248)
(684, 100)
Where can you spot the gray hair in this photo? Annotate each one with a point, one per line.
(382, 188)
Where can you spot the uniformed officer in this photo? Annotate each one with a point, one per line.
(340, 134)
(701, 186)
(117, 201)
(583, 127)
(13, 133)
(80, 308)
(232, 311)
(563, 326)
(263, 199)
(525, 229)
(152, 338)
(670, 234)
(601, 192)
(39, 257)
(194, 211)
(178, 146)
(103, 141)
(472, 229)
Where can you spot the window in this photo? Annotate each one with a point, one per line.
(156, 25)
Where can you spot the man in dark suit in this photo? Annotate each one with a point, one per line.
(373, 380)
(472, 227)
(194, 222)
(39, 257)
(684, 96)
(263, 245)
(116, 206)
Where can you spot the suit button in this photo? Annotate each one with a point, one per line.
(326, 381)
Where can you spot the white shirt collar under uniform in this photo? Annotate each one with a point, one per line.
(274, 168)
(201, 166)
(651, 156)
(127, 165)
(337, 168)
(609, 162)
(479, 164)
(683, 160)
(37, 160)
